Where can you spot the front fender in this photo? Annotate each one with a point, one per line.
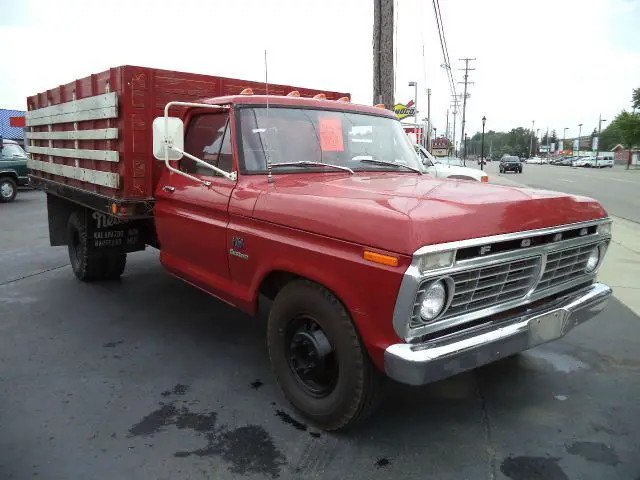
(368, 290)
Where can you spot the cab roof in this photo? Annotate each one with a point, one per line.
(299, 102)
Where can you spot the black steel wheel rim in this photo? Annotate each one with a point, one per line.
(310, 356)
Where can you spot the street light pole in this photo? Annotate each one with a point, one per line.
(600, 120)
(533, 124)
(579, 135)
(415, 101)
(564, 137)
(484, 119)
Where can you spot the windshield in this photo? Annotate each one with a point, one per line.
(338, 138)
(13, 150)
(511, 160)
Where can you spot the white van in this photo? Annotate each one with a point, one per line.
(603, 161)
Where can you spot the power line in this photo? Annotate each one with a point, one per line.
(443, 45)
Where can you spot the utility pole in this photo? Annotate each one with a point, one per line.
(464, 98)
(428, 129)
(533, 123)
(454, 105)
(383, 85)
(447, 128)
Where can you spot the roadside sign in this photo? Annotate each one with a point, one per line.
(403, 111)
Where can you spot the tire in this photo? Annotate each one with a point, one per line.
(90, 267)
(8, 189)
(115, 265)
(353, 392)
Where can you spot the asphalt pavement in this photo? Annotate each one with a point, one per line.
(617, 188)
(150, 378)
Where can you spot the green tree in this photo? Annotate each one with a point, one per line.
(635, 98)
(609, 137)
(628, 127)
(507, 150)
(544, 139)
(554, 137)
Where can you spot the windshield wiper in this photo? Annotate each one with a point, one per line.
(389, 164)
(312, 164)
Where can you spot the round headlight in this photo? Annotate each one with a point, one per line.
(433, 301)
(593, 260)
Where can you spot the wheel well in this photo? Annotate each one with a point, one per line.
(12, 175)
(274, 282)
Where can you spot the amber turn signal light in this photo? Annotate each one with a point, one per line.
(380, 258)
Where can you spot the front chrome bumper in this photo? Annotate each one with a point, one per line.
(418, 364)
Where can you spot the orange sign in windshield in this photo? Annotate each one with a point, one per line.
(331, 134)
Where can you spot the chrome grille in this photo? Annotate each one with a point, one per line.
(564, 265)
(483, 287)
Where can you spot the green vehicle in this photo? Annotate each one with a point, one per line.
(13, 170)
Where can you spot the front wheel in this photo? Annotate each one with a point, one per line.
(8, 189)
(319, 360)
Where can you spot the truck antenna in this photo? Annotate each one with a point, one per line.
(266, 87)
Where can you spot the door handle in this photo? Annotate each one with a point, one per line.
(169, 188)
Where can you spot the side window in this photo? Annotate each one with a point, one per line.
(208, 139)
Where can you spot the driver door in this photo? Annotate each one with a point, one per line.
(191, 218)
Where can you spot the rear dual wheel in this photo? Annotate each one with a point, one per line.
(319, 360)
(87, 266)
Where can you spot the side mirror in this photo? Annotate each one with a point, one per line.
(171, 135)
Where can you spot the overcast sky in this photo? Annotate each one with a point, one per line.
(558, 62)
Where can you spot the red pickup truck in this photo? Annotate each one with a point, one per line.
(373, 267)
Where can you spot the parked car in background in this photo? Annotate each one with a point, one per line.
(449, 167)
(535, 160)
(510, 164)
(583, 161)
(604, 161)
(13, 170)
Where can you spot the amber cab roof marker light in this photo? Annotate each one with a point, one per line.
(293, 93)
(320, 96)
(380, 258)
(379, 105)
(343, 99)
(247, 91)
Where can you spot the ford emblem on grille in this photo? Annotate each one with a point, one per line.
(485, 249)
(525, 243)
(557, 237)
(583, 232)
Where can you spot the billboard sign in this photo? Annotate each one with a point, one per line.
(403, 111)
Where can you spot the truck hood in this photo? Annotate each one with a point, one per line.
(403, 212)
